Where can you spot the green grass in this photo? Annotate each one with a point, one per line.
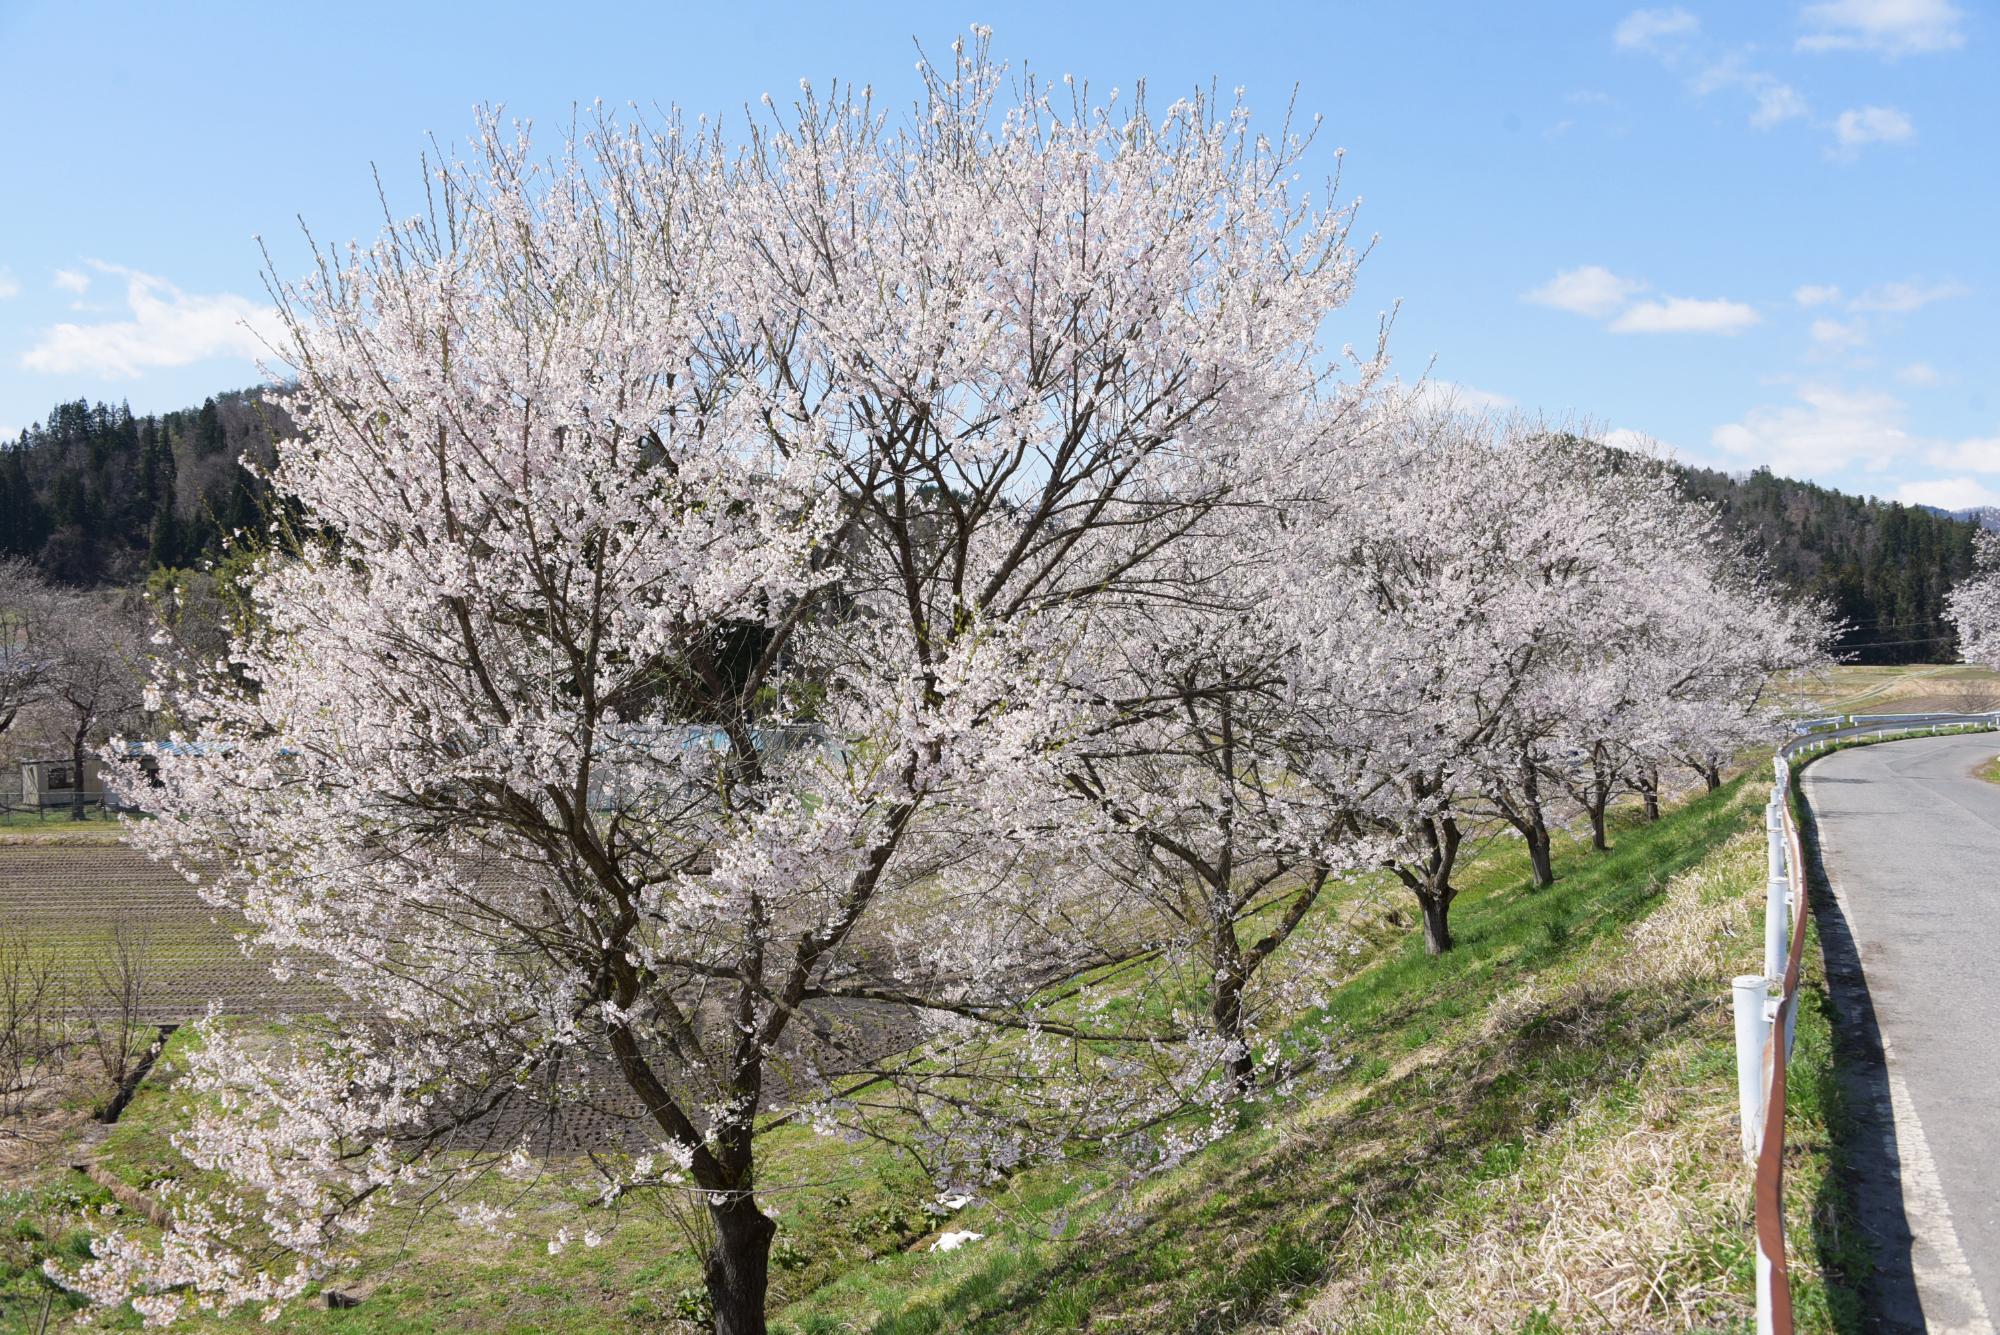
(1476, 1090)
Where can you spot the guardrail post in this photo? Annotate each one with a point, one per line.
(1753, 1032)
(1777, 924)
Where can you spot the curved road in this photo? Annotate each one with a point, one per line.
(1910, 841)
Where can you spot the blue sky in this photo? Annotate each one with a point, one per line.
(1759, 234)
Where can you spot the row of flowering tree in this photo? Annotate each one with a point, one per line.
(923, 579)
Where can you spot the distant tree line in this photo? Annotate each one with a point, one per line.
(1885, 567)
(95, 496)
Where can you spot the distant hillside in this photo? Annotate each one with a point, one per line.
(97, 496)
(1884, 566)
(94, 495)
(1986, 516)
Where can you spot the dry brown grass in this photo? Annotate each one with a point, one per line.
(1609, 1222)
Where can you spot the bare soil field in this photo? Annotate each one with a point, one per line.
(75, 901)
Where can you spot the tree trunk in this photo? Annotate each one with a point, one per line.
(1652, 796)
(1226, 1012)
(1597, 839)
(739, 1264)
(1712, 776)
(1535, 829)
(1437, 923)
(1539, 855)
(76, 811)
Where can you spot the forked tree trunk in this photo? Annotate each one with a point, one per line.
(1712, 776)
(739, 1264)
(1648, 784)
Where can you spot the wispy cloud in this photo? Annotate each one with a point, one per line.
(1887, 27)
(1816, 294)
(1651, 29)
(1826, 430)
(69, 280)
(1686, 315)
(168, 327)
(1921, 374)
(1775, 101)
(1858, 127)
(1902, 298)
(1591, 290)
(1839, 333)
(10, 286)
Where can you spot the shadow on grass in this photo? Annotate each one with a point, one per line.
(1262, 1216)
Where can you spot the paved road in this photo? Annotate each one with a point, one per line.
(1911, 843)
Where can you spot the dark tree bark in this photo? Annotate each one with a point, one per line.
(739, 1264)
(1437, 923)
(1430, 879)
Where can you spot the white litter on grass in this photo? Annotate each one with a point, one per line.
(954, 1202)
(951, 1242)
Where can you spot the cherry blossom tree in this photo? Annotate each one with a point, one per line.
(1975, 606)
(1218, 758)
(708, 529)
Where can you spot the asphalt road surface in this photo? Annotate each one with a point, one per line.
(1910, 841)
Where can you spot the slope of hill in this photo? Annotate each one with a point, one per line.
(1885, 567)
(94, 495)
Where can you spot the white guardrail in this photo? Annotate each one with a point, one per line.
(1767, 1003)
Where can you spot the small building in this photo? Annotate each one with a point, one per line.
(53, 783)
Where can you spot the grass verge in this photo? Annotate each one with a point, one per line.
(1534, 1133)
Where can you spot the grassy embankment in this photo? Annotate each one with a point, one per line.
(1534, 1133)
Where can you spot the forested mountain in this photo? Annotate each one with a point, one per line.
(94, 495)
(1884, 566)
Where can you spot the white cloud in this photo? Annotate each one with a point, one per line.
(1980, 455)
(1948, 493)
(1686, 315)
(1816, 294)
(1777, 101)
(1648, 29)
(1870, 125)
(1825, 431)
(1921, 374)
(1776, 104)
(1432, 395)
(10, 286)
(168, 328)
(1839, 334)
(1592, 290)
(69, 280)
(1887, 27)
(1902, 298)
